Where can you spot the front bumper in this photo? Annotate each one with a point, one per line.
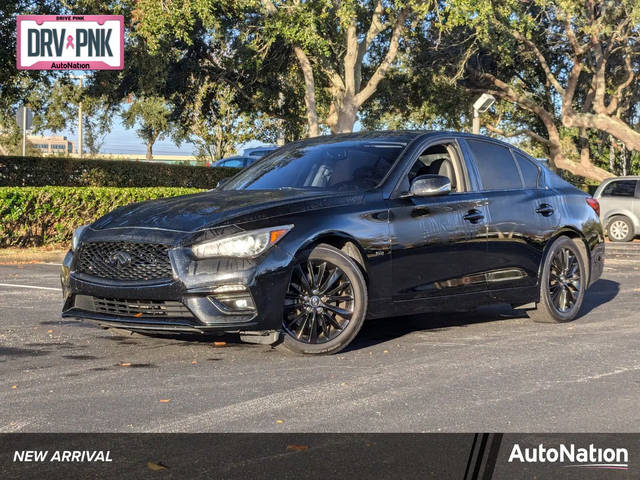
(191, 301)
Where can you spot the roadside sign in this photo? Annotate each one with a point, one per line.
(22, 111)
(70, 42)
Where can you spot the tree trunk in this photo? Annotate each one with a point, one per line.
(150, 151)
(585, 152)
(584, 168)
(343, 114)
(309, 91)
(612, 154)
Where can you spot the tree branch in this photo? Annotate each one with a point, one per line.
(390, 56)
(518, 133)
(541, 58)
(617, 95)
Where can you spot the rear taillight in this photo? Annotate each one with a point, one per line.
(593, 203)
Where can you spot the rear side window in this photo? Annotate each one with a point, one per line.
(529, 171)
(620, 188)
(496, 166)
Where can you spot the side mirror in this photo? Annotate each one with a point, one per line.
(430, 186)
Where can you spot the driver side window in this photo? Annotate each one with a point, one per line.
(435, 160)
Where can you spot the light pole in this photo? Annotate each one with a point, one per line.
(481, 105)
(80, 78)
(24, 118)
(24, 131)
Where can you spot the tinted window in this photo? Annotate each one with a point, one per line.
(620, 188)
(331, 165)
(529, 171)
(496, 167)
(235, 163)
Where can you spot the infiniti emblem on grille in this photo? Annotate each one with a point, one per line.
(119, 258)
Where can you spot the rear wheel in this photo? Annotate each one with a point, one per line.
(325, 303)
(620, 229)
(562, 284)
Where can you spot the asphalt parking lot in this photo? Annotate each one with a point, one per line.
(493, 370)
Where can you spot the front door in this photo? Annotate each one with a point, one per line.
(438, 243)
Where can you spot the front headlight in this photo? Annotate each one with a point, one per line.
(243, 245)
(77, 234)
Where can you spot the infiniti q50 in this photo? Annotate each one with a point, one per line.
(303, 246)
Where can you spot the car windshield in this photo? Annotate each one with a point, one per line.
(336, 165)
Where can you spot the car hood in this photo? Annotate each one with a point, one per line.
(190, 213)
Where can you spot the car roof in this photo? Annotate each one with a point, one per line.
(235, 157)
(405, 136)
(626, 177)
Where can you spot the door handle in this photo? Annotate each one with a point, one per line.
(473, 216)
(545, 209)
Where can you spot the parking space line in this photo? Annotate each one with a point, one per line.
(29, 286)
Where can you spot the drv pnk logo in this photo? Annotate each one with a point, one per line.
(70, 42)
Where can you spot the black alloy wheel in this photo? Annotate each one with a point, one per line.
(325, 303)
(564, 279)
(563, 282)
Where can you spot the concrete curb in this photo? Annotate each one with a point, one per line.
(13, 256)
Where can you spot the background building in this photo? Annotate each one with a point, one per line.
(52, 144)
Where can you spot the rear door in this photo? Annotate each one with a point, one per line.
(515, 229)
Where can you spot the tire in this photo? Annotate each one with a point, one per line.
(562, 284)
(323, 311)
(620, 229)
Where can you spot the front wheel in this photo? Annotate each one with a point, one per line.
(562, 283)
(325, 304)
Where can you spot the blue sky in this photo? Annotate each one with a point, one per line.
(123, 140)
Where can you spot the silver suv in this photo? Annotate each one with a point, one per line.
(619, 199)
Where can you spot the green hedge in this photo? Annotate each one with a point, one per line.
(35, 216)
(71, 172)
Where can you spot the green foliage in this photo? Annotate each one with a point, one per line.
(213, 121)
(152, 114)
(41, 171)
(36, 216)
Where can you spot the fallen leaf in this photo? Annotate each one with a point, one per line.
(165, 400)
(297, 448)
(156, 466)
(49, 331)
(14, 387)
(385, 351)
(138, 315)
(279, 421)
(342, 384)
(125, 364)
(195, 362)
(219, 344)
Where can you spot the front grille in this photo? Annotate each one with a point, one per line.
(133, 308)
(124, 261)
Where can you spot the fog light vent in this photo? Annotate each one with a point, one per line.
(238, 303)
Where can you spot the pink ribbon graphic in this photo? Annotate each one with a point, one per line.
(70, 42)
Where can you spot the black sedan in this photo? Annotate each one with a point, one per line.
(308, 242)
